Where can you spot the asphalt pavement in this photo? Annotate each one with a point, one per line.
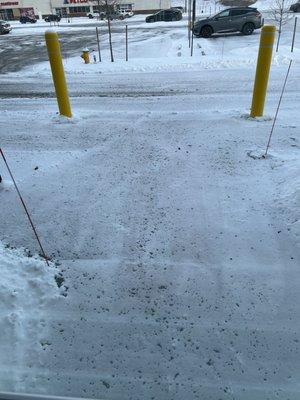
(19, 51)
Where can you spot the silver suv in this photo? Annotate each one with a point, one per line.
(238, 19)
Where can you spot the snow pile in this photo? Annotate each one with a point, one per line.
(27, 287)
(5, 185)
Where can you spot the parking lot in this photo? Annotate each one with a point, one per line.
(25, 45)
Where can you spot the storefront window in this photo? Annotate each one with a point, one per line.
(75, 10)
(6, 15)
(96, 8)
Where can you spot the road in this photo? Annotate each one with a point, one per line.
(19, 51)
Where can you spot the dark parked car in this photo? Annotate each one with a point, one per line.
(4, 27)
(238, 19)
(27, 19)
(295, 7)
(53, 18)
(165, 15)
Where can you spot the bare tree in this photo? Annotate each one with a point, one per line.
(280, 14)
(216, 2)
(109, 6)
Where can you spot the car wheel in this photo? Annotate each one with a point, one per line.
(206, 31)
(174, 19)
(248, 29)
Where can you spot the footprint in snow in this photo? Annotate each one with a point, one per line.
(5, 185)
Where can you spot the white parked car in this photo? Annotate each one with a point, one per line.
(92, 15)
(118, 14)
(126, 13)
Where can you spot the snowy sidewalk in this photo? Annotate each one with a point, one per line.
(180, 251)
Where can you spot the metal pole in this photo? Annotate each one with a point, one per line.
(277, 110)
(98, 42)
(264, 60)
(188, 15)
(294, 34)
(126, 31)
(192, 26)
(280, 25)
(189, 21)
(58, 73)
(25, 208)
(108, 15)
(194, 12)
(279, 34)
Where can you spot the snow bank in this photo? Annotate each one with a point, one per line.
(27, 286)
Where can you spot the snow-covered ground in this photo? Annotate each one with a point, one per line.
(163, 47)
(27, 287)
(179, 249)
(74, 24)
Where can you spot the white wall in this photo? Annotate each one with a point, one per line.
(46, 6)
(151, 4)
(42, 6)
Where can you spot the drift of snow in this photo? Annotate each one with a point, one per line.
(27, 288)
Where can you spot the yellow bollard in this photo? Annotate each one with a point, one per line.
(58, 73)
(86, 56)
(262, 70)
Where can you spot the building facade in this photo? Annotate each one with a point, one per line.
(13, 9)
